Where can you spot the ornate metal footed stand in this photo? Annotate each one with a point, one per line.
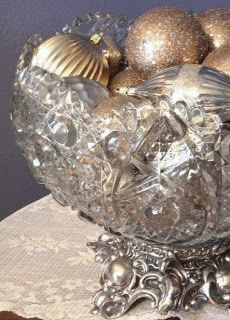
(171, 279)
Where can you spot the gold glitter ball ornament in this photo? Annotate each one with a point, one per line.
(164, 37)
(216, 25)
(125, 78)
(113, 104)
(73, 55)
(219, 59)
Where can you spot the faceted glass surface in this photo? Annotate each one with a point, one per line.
(101, 23)
(155, 169)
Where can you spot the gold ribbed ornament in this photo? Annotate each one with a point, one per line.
(73, 55)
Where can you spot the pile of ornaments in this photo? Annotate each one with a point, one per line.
(165, 37)
(123, 120)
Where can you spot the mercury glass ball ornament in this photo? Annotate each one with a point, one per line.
(219, 59)
(216, 25)
(164, 37)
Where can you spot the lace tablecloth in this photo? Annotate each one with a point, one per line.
(48, 272)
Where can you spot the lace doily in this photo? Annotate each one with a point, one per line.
(47, 271)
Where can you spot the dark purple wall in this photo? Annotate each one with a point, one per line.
(18, 20)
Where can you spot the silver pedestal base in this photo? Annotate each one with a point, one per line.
(170, 279)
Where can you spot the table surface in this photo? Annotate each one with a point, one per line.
(48, 272)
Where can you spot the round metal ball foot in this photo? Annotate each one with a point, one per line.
(170, 279)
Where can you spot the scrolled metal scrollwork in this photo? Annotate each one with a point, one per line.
(170, 279)
(217, 282)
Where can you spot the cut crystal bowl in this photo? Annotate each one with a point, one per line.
(152, 167)
(150, 163)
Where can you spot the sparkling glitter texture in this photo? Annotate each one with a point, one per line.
(125, 78)
(219, 59)
(164, 37)
(154, 165)
(216, 24)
